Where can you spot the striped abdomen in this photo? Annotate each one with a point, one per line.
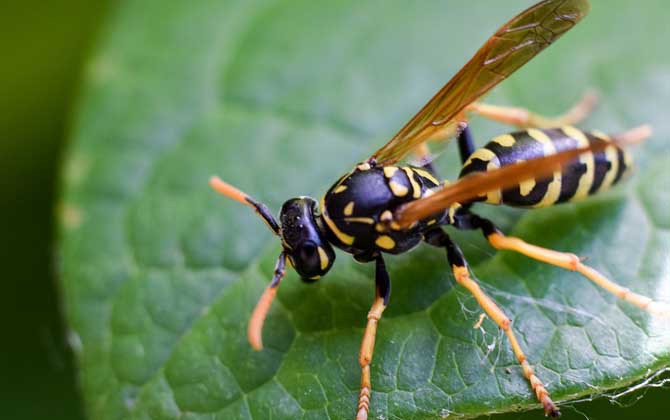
(592, 173)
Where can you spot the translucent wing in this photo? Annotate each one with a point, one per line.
(509, 48)
(480, 183)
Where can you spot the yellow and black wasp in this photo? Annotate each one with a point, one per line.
(381, 207)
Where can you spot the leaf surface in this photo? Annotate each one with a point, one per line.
(159, 274)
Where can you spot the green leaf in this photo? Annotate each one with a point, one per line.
(159, 274)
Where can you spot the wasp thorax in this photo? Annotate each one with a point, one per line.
(308, 250)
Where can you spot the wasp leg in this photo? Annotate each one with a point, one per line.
(466, 146)
(255, 327)
(523, 118)
(568, 261)
(382, 294)
(438, 238)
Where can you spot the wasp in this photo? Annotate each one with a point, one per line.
(383, 206)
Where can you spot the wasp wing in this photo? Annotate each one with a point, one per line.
(513, 45)
(477, 184)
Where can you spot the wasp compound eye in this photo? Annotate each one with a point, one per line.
(309, 251)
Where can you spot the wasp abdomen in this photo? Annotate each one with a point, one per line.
(593, 172)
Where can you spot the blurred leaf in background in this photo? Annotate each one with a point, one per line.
(42, 46)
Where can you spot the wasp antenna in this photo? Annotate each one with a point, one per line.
(255, 329)
(634, 135)
(231, 192)
(228, 190)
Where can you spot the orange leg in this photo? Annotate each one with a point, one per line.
(523, 118)
(382, 292)
(462, 276)
(574, 263)
(459, 267)
(255, 327)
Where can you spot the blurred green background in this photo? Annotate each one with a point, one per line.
(42, 48)
(44, 45)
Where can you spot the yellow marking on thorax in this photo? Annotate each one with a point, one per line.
(385, 242)
(506, 140)
(339, 189)
(416, 188)
(387, 218)
(586, 180)
(426, 174)
(554, 187)
(323, 258)
(366, 220)
(343, 237)
(365, 166)
(389, 171)
(397, 189)
(349, 209)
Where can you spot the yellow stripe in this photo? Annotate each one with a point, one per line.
(586, 180)
(416, 188)
(367, 220)
(540, 136)
(349, 209)
(612, 156)
(343, 237)
(628, 161)
(554, 187)
(323, 258)
(600, 134)
(452, 211)
(525, 187)
(494, 197)
(389, 171)
(339, 189)
(506, 140)
(385, 242)
(397, 189)
(481, 154)
(424, 173)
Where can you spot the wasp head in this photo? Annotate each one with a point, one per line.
(308, 251)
